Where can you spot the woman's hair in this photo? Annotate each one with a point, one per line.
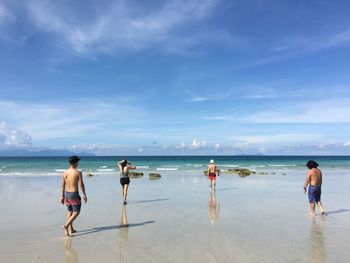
(123, 164)
(312, 164)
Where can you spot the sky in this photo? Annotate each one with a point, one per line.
(171, 77)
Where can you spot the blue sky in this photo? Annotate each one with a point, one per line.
(176, 76)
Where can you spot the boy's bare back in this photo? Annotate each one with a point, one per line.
(315, 177)
(72, 178)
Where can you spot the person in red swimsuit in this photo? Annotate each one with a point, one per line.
(212, 170)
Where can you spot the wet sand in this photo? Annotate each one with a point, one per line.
(260, 218)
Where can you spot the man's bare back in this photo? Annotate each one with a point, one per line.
(315, 177)
(71, 178)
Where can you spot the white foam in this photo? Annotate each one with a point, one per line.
(167, 169)
(282, 165)
(105, 170)
(104, 166)
(60, 170)
(142, 166)
(230, 165)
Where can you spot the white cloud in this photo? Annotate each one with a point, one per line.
(75, 118)
(315, 111)
(346, 144)
(309, 44)
(277, 139)
(324, 111)
(120, 24)
(197, 144)
(11, 136)
(6, 16)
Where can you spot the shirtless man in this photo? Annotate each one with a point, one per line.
(70, 193)
(314, 181)
(212, 170)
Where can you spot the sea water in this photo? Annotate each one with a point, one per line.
(107, 165)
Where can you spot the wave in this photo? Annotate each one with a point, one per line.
(59, 170)
(104, 166)
(167, 169)
(282, 165)
(229, 165)
(142, 166)
(105, 170)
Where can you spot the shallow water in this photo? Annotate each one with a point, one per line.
(260, 218)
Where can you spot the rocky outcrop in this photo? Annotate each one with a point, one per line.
(135, 174)
(154, 176)
(242, 172)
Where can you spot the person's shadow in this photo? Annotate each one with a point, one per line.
(70, 255)
(149, 201)
(339, 211)
(113, 227)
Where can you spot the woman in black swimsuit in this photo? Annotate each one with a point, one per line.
(124, 167)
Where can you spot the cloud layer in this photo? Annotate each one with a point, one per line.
(109, 26)
(10, 136)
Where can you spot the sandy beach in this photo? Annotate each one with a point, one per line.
(260, 218)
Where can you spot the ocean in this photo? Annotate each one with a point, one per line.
(106, 165)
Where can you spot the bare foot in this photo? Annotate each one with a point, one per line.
(73, 230)
(66, 232)
(125, 203)
(323, 213)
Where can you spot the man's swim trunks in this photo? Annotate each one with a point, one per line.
(314, 193)
(72, 201)
(212, 176)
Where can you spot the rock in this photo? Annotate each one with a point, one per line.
(135, 174)
(154, 176)
(284, 174)
(242, 172)
(90, 175)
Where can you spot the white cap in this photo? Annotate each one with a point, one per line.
(212, 161)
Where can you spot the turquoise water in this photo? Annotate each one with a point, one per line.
(54, 166)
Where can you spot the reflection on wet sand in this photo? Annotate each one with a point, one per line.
(317, 246)
(70, 255)
(214, 208)
(123, 234)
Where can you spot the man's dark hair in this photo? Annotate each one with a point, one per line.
(74, 159)
(312, 164)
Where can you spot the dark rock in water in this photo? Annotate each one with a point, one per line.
(90, 175)
(242, 172)
(154, 176)
(205, 173)
(135, 174)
